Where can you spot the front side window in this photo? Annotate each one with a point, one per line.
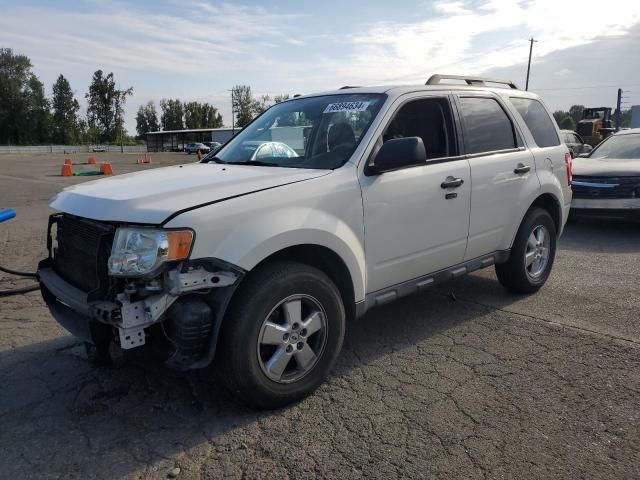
(487, 126)
(537, 120)
(429, 119)
(315, 132)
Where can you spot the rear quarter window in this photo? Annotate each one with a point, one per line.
(538, 121)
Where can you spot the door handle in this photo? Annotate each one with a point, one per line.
(520, 169)
(451, 182)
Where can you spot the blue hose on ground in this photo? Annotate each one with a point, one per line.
(8, 214)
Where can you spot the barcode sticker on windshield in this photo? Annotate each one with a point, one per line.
(346, 107)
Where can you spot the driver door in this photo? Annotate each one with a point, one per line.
(414, 224)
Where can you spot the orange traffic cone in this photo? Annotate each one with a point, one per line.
(67, 161)
(91, 160)
(105, 168)
(66, 170)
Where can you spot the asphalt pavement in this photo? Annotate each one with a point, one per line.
(465, 381)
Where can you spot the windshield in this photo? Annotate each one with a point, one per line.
(316, 132)
(619, 147)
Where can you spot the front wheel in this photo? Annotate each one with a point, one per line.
(282, 336)
(532, 255)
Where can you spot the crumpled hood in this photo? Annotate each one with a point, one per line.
(153, 195)
(606, 167)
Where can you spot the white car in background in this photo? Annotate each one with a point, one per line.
(606, 182)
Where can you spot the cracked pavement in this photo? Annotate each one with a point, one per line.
(479, 384)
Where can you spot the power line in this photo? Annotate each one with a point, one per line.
(585, 87)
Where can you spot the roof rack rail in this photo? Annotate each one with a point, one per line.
(476, 81)
(348, 86)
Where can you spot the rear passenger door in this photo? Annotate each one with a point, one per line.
(502, 172)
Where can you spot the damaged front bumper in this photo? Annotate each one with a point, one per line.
(188, 300)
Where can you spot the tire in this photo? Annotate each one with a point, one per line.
(515, 275)
(251, 351)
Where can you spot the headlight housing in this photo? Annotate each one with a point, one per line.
(139, 251)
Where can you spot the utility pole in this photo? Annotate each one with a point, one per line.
(531, 41)
(618, 109)
(233, 116)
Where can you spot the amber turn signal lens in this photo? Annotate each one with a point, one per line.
(179, 244)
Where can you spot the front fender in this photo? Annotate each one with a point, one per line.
(246, 230)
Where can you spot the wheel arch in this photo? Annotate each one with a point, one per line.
(327, 261)
(551, 204)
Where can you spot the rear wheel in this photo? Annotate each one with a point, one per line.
(532, 255)
(282, 336)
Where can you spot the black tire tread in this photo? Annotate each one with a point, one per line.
(229, 361)
(512, 274)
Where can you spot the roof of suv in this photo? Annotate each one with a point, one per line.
(438, 83)
(400, 89)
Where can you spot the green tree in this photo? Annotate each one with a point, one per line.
(38, 113)
(172, 117)
(260, 104)
(105, 107)
(65, 107)
(147, 119)
(243, 104)
(567, 123)
(281, 98)
(625, 118)
(560, 115)
(201, 115)
(576, 113)
(246, 107)
(24, 108)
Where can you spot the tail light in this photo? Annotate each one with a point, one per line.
(568, 164)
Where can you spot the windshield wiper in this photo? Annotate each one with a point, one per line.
(257, 163)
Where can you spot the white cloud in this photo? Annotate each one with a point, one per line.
(211, 46)
(452, 40)
(132, 38)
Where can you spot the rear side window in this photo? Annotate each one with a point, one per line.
(487, 126)
(537, 120)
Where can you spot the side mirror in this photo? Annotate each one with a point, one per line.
(399, 153)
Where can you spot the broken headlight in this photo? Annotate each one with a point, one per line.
(139, 251)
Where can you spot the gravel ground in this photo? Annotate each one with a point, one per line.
(478, 384)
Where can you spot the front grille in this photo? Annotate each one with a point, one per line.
(605, 187)
(82, 251)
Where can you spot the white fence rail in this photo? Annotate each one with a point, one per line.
(72, 148)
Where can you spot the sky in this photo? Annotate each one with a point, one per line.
(199, 49)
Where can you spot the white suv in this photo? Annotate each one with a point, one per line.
(257, 264)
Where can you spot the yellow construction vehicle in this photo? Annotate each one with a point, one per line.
(595, 125)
